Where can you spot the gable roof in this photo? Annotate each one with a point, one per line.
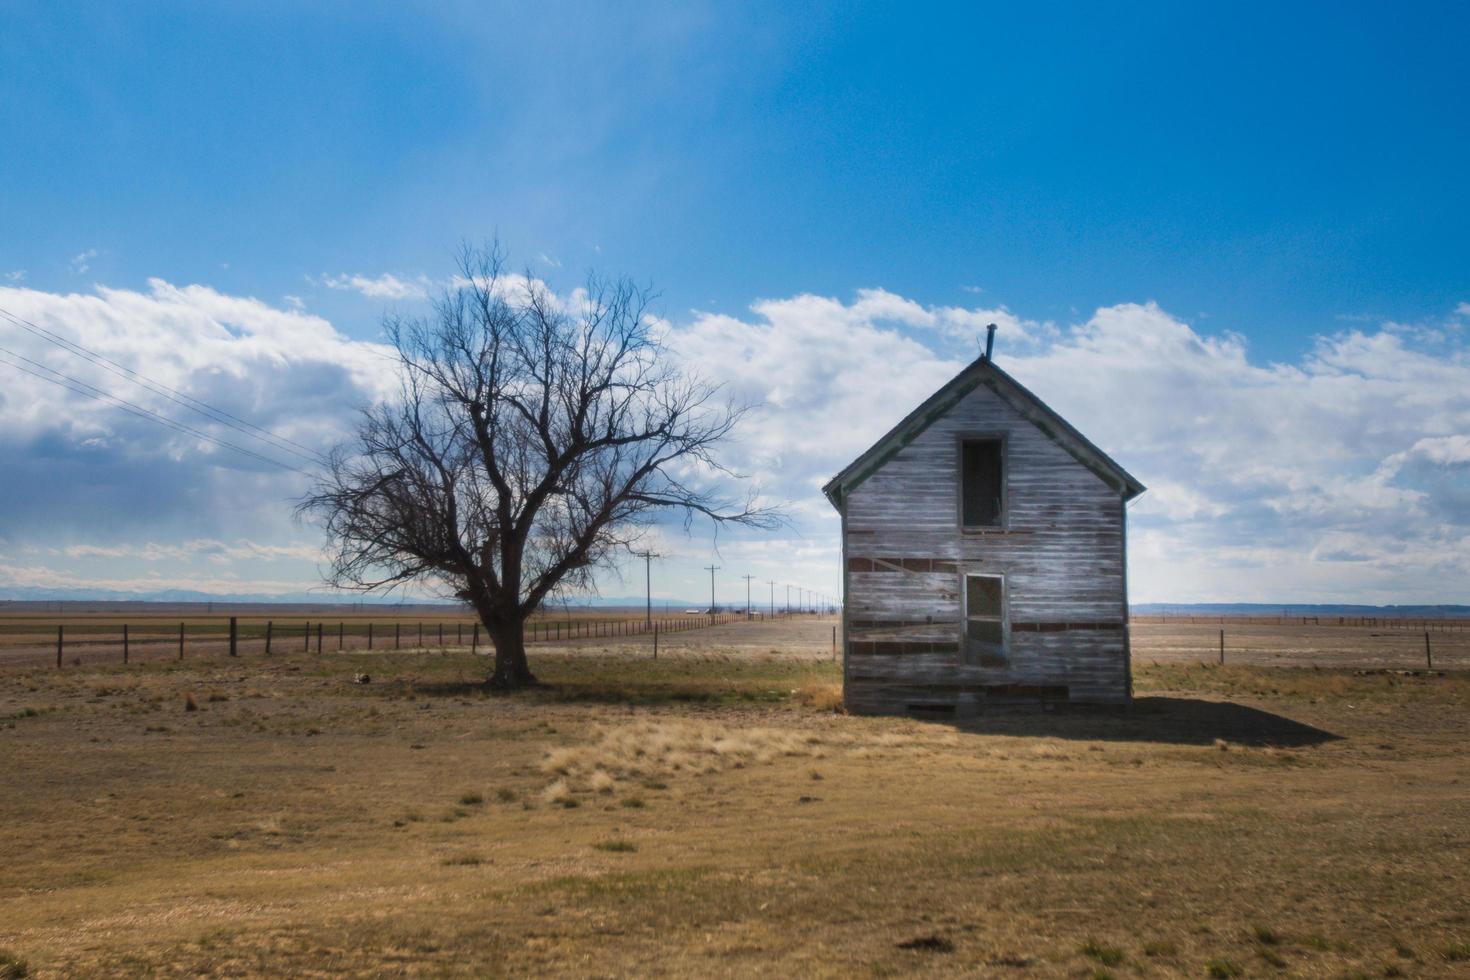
(981, 372)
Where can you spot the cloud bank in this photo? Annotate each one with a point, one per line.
(1345, 476)
(94, 492)
(1342, 476)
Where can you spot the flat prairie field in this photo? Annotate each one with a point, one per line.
(148, 632)
(710, 813)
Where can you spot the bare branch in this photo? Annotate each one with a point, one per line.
(531, 438)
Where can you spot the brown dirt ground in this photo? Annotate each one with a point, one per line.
(707, 813)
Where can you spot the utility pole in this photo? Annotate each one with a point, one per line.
(712, 569)
(747, 594)
(772, 584)
(648, 557)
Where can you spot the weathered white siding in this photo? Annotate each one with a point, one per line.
(1061, 552)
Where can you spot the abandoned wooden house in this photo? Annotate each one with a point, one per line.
(984, 557)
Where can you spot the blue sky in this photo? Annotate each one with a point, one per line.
(1271, 175)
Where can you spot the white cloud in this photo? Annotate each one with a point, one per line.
(386, 286)
(16, 275)
(46, 577)
(81, 263)
(1256, 469)
(1443, 450)
(217, 552)
(80, 472)
(1342, 476)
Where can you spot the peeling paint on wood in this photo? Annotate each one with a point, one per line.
(1061, 553)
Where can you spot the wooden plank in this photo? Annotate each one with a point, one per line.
(1061, 551)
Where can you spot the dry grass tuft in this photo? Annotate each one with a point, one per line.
(559, 793)
(646, 751)
(1104, 953)
(1265, 935)
(12, 967)
(927, 944)
(1050, 750)
(821, 696)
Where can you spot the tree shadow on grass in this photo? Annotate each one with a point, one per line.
(1172, 720)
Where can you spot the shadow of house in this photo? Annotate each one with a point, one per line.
(1165, 720)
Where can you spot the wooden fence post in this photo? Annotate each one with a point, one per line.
(655, 641)
(441, 634)
(306, 637)
(834, 643)
(181, 641)
(319, 639)
(59, 631)
(1222, 647)
(270, 628)
(475, 643)
(397, 636)
(125, 643)
(234, 637)
(1428, 658)
(370, 636)
(421, 636)
(340, 632)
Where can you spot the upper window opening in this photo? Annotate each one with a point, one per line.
(982, 482)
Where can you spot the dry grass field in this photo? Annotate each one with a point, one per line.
(152, 630)
(1323, 646)
(708, 813)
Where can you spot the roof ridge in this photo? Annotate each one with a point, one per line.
(978, 372)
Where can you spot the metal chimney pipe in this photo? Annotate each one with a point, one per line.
(989, 340)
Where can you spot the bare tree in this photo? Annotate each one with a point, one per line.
(533, 438)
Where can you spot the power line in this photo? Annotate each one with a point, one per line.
(97, 394)
(711, 569)
(217, 415)
(159, 388)
(648, 557)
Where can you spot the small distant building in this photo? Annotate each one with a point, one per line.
(984, 555)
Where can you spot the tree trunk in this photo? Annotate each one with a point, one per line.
(511, 670)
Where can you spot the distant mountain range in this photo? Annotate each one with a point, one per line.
(31, 596)
(1297, 609)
